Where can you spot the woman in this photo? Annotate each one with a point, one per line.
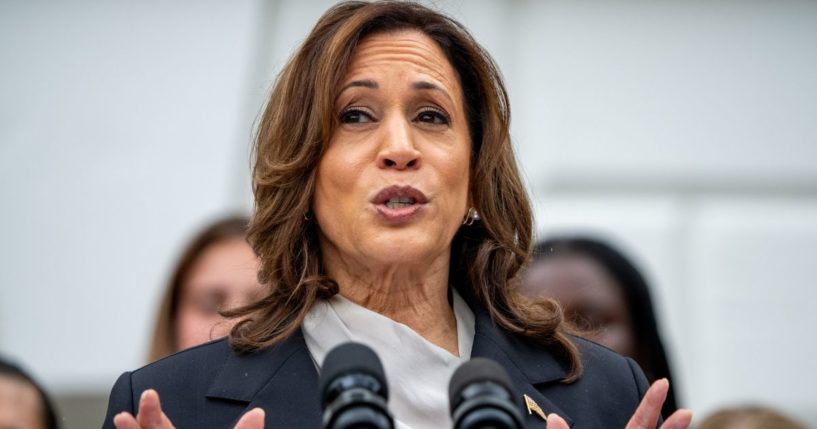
(23, 403)
(216, 271)
(385, 135)
(603, 293)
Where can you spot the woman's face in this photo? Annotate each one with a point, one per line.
(20, 404)
(224, 276)
(589, 296)
(392, 184)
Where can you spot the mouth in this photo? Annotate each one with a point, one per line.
(395, 197)
(399, 203)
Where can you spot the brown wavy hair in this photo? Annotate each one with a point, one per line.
(749, 417)
(299, 120)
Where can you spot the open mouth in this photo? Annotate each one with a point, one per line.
(398, 204)
(397, 197)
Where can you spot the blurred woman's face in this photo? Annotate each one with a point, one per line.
(392, 184)
(20, 404)
(224, 276)
(589, 297)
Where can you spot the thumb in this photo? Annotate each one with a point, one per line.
(253, 419)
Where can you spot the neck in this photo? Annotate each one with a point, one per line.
(414, 296)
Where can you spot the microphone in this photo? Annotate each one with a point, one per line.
(481, 396)
(353, 389)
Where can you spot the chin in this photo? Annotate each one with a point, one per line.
(394, 250)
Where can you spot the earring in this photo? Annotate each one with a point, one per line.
(470, 217)
(307, 218)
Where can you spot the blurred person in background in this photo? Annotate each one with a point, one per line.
(23, 403)
(604, 295)
(217, 270)
(749, 417)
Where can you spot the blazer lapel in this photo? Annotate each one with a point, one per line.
(281, 379)
(527, 364)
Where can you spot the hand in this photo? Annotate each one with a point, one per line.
(646, 415)
(150, 416)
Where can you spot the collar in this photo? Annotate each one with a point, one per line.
(283, 379)
(526, 363)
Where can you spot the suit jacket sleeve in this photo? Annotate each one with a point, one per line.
(121, 399)
(641, 383)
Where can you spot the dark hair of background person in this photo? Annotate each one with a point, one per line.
(649, 349)
(48, 413)
(164, 340)
(299, 120)
(749, 417)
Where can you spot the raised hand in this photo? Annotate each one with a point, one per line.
(253, 419)
(648, 411)
(150, 416)
(646, 415)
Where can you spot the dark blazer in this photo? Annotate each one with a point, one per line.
(209, 386)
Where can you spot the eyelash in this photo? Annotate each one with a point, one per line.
(439, 114)
(344, 115)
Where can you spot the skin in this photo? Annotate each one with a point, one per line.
(399, 269)
(223, 276)
(589, 295)
(401, 122)
(647, 413)
(20, 405)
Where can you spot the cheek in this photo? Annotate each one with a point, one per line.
(339, 178)
(193, 328)
(454, 171)
(617, 336)
(344, 161)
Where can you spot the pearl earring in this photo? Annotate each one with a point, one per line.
(470, 217)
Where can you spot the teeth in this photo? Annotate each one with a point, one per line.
(407, 200)
(398, 203)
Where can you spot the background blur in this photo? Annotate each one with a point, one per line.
(684, 131)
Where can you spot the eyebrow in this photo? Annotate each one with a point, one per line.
(366, 83)
(419, 85)
(423, 85)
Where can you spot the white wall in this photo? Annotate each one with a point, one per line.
(684, 131)
(123, 127)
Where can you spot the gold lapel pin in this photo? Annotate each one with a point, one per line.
(533, 407)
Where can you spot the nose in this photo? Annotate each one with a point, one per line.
(397, 148)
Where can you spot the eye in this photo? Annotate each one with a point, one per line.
(355, 115)
(211, 301)
(433, 116)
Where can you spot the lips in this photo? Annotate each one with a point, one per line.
(399, 196)
(399, 203)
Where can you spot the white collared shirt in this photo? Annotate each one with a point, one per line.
(417, 371)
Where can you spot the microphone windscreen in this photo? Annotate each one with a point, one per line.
(351, 358)
(477, 370)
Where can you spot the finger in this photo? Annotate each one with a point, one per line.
(125, 420)
(253, 419)
(150, 412)
(678, 420)
(556, 422)
(646, 415)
